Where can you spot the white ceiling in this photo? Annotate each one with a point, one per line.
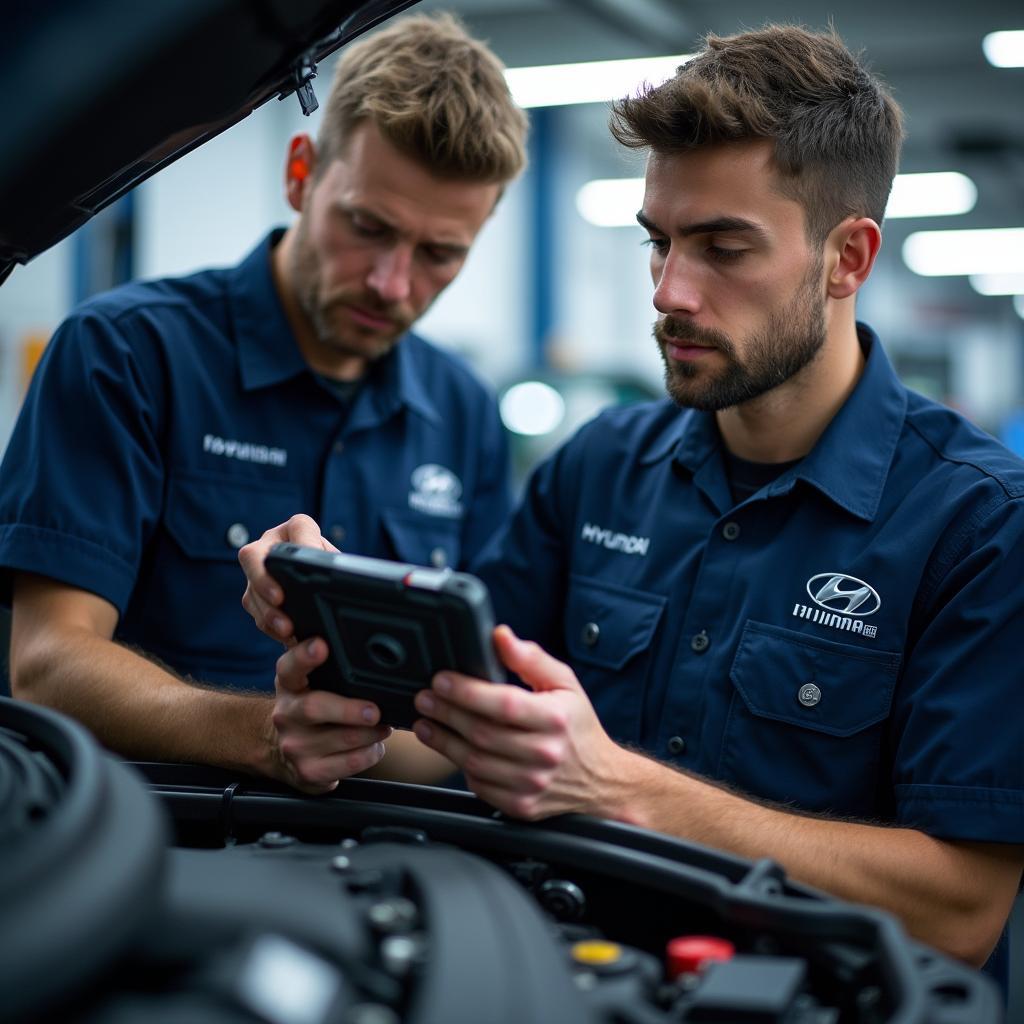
(962, 114)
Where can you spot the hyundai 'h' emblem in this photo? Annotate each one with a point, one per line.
(844, 594)
(436, 490)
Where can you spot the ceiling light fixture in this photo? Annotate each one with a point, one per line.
(950, 253)
(936, 194)
(598, 81)
(610, 202)
(613, 202)
(1004, 49)
(998, 284)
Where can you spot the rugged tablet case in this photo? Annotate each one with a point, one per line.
(390, 626)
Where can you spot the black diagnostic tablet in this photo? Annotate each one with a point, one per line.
(389, 626)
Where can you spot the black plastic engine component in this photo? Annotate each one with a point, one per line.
(82, 850)
(383, 903)
(632, 890)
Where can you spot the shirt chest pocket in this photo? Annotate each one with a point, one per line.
(188, 608)
(608, 634)
(421, 539)
(211, 518)
(805, 719)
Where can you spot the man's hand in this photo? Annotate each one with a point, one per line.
(262, 598)
(315, 737)
(530, 754)
(320, 737)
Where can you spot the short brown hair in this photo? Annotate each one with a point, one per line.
(837, 131)
(435, 93)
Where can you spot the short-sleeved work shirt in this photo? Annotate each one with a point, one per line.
(846, 640)
(170, 422)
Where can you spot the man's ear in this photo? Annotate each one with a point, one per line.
(851, 247)
(298, 170)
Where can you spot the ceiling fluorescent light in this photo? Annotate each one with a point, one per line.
(998, 284)
(945, 253)
(610, 202)
(938, 194)
(613, 202)
(598, 81)
(1004, 49)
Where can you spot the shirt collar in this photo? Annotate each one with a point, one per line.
(396, 380)
(268, 353)
(412, 377)
(850, 462)
(687, 437)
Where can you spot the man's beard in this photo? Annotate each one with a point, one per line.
(789, 341)
(322, 309)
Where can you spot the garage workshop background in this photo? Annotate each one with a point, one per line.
(556, 292)
(557, 288)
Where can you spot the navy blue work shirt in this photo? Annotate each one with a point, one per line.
(846, 640)
(171, 422)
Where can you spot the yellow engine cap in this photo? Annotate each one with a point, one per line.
(596, 952)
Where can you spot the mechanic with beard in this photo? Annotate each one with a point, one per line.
(791, 595)
(172, 421)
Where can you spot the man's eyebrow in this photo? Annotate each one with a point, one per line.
(354, 209)
(717, 225)
(454, 248)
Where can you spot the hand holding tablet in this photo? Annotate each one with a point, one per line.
(390, 626)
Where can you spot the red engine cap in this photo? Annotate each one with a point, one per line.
(687, 954)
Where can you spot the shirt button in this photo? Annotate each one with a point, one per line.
(438, 558)
(590, 634)
(339, 447)
(731, 531)
(237, 535)
(808, 695)
(701, 642)
(676, 745)
(337, 533)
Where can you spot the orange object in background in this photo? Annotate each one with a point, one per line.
(32, 345)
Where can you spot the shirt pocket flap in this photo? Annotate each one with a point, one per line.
(606, 624)
(423, 539)
(828, 687)
(212, 517)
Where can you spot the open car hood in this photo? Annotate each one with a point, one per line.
(98, 96)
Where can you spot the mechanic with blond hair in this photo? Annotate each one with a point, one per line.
(172, 421)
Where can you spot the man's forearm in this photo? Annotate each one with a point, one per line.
(141, 710)
(951, 895)
(408, 760)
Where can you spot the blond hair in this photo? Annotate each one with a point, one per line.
(435, 93)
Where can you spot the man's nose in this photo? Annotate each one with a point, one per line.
(391, 274)
(675, 288)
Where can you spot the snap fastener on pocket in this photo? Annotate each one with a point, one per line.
(237, 535)
(590, 634)
(731, 531)
(808, 695)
